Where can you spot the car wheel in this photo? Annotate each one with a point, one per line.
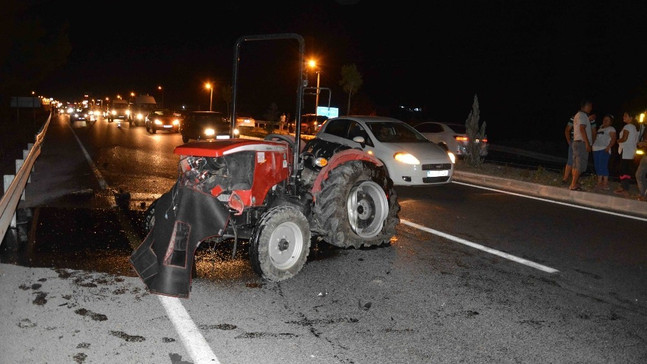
(280, 243)
(185, 139)
(357, 206)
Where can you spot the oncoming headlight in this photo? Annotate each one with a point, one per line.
(405, 158)
(176, 122)
(209, 132)
(140, 116)
(236, 132)
(158, 122)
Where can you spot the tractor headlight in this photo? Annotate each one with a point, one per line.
(321, 162)
(406, 158)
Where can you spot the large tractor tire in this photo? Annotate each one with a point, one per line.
(280, 243)
(357, 206)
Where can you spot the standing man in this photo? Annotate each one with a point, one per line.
(581, 143)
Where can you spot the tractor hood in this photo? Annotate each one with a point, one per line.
(221, 148)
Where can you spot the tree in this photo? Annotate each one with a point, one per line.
(351, 81)
(474, 134)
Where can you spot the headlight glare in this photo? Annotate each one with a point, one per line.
(406, 158)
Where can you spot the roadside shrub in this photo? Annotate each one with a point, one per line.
(474, 132)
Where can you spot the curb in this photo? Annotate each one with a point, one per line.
(583, 198)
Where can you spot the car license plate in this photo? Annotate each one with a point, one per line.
(442, 173)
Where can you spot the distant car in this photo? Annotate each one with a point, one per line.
(409, 157)
(245, 121)
(204, 125)
(451, 136)
(80, 115)
(311, 123)
(118, 110)
(162, 119)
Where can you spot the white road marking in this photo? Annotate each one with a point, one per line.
(481, 247)
(194, 343)
(102, 181)
(553, 201)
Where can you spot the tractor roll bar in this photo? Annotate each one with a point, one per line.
(297, 135)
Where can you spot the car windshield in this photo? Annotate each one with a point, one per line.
(458, 128)
(162, 112)
(390, 132)
(210, 119)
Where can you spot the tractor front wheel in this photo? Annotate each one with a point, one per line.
(280, 244)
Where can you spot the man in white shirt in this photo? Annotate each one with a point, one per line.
(581, 143)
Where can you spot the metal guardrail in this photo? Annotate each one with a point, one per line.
(16, 184)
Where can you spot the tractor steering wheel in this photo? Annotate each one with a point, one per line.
(281, 137)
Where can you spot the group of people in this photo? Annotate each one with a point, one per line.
(584, 137)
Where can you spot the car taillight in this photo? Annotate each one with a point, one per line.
(461, 138)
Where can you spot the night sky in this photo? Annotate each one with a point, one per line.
(529, 62)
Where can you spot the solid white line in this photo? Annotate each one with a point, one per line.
(553, 201)
(194, 343)
(482, 247)
(102, 181)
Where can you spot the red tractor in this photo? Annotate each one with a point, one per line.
(278, 194)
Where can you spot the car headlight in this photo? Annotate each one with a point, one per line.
(209, 132)
(127, 112)
(405, 158)
(176, 122)
(640, 152)
(158, 122)
(140, 116)
(236, 132)
(114, 112)
(452, 157)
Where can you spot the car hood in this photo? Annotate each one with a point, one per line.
(425, 152)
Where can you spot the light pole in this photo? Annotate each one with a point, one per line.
(161, 90)
(209, 86)
(313, 64)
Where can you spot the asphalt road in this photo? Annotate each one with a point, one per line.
(473, 275)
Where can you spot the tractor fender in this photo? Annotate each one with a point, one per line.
(341, 158)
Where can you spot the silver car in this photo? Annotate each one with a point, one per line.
(409, 157)
(452, 136)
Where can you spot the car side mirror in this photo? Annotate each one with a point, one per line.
(360, 139)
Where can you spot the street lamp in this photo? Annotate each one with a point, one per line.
(161, 90)
(209, 86)
(313, 64)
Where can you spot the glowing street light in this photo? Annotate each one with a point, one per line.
(209, 86)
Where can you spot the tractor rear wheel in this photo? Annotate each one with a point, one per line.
(357, 206)
(280, 243)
